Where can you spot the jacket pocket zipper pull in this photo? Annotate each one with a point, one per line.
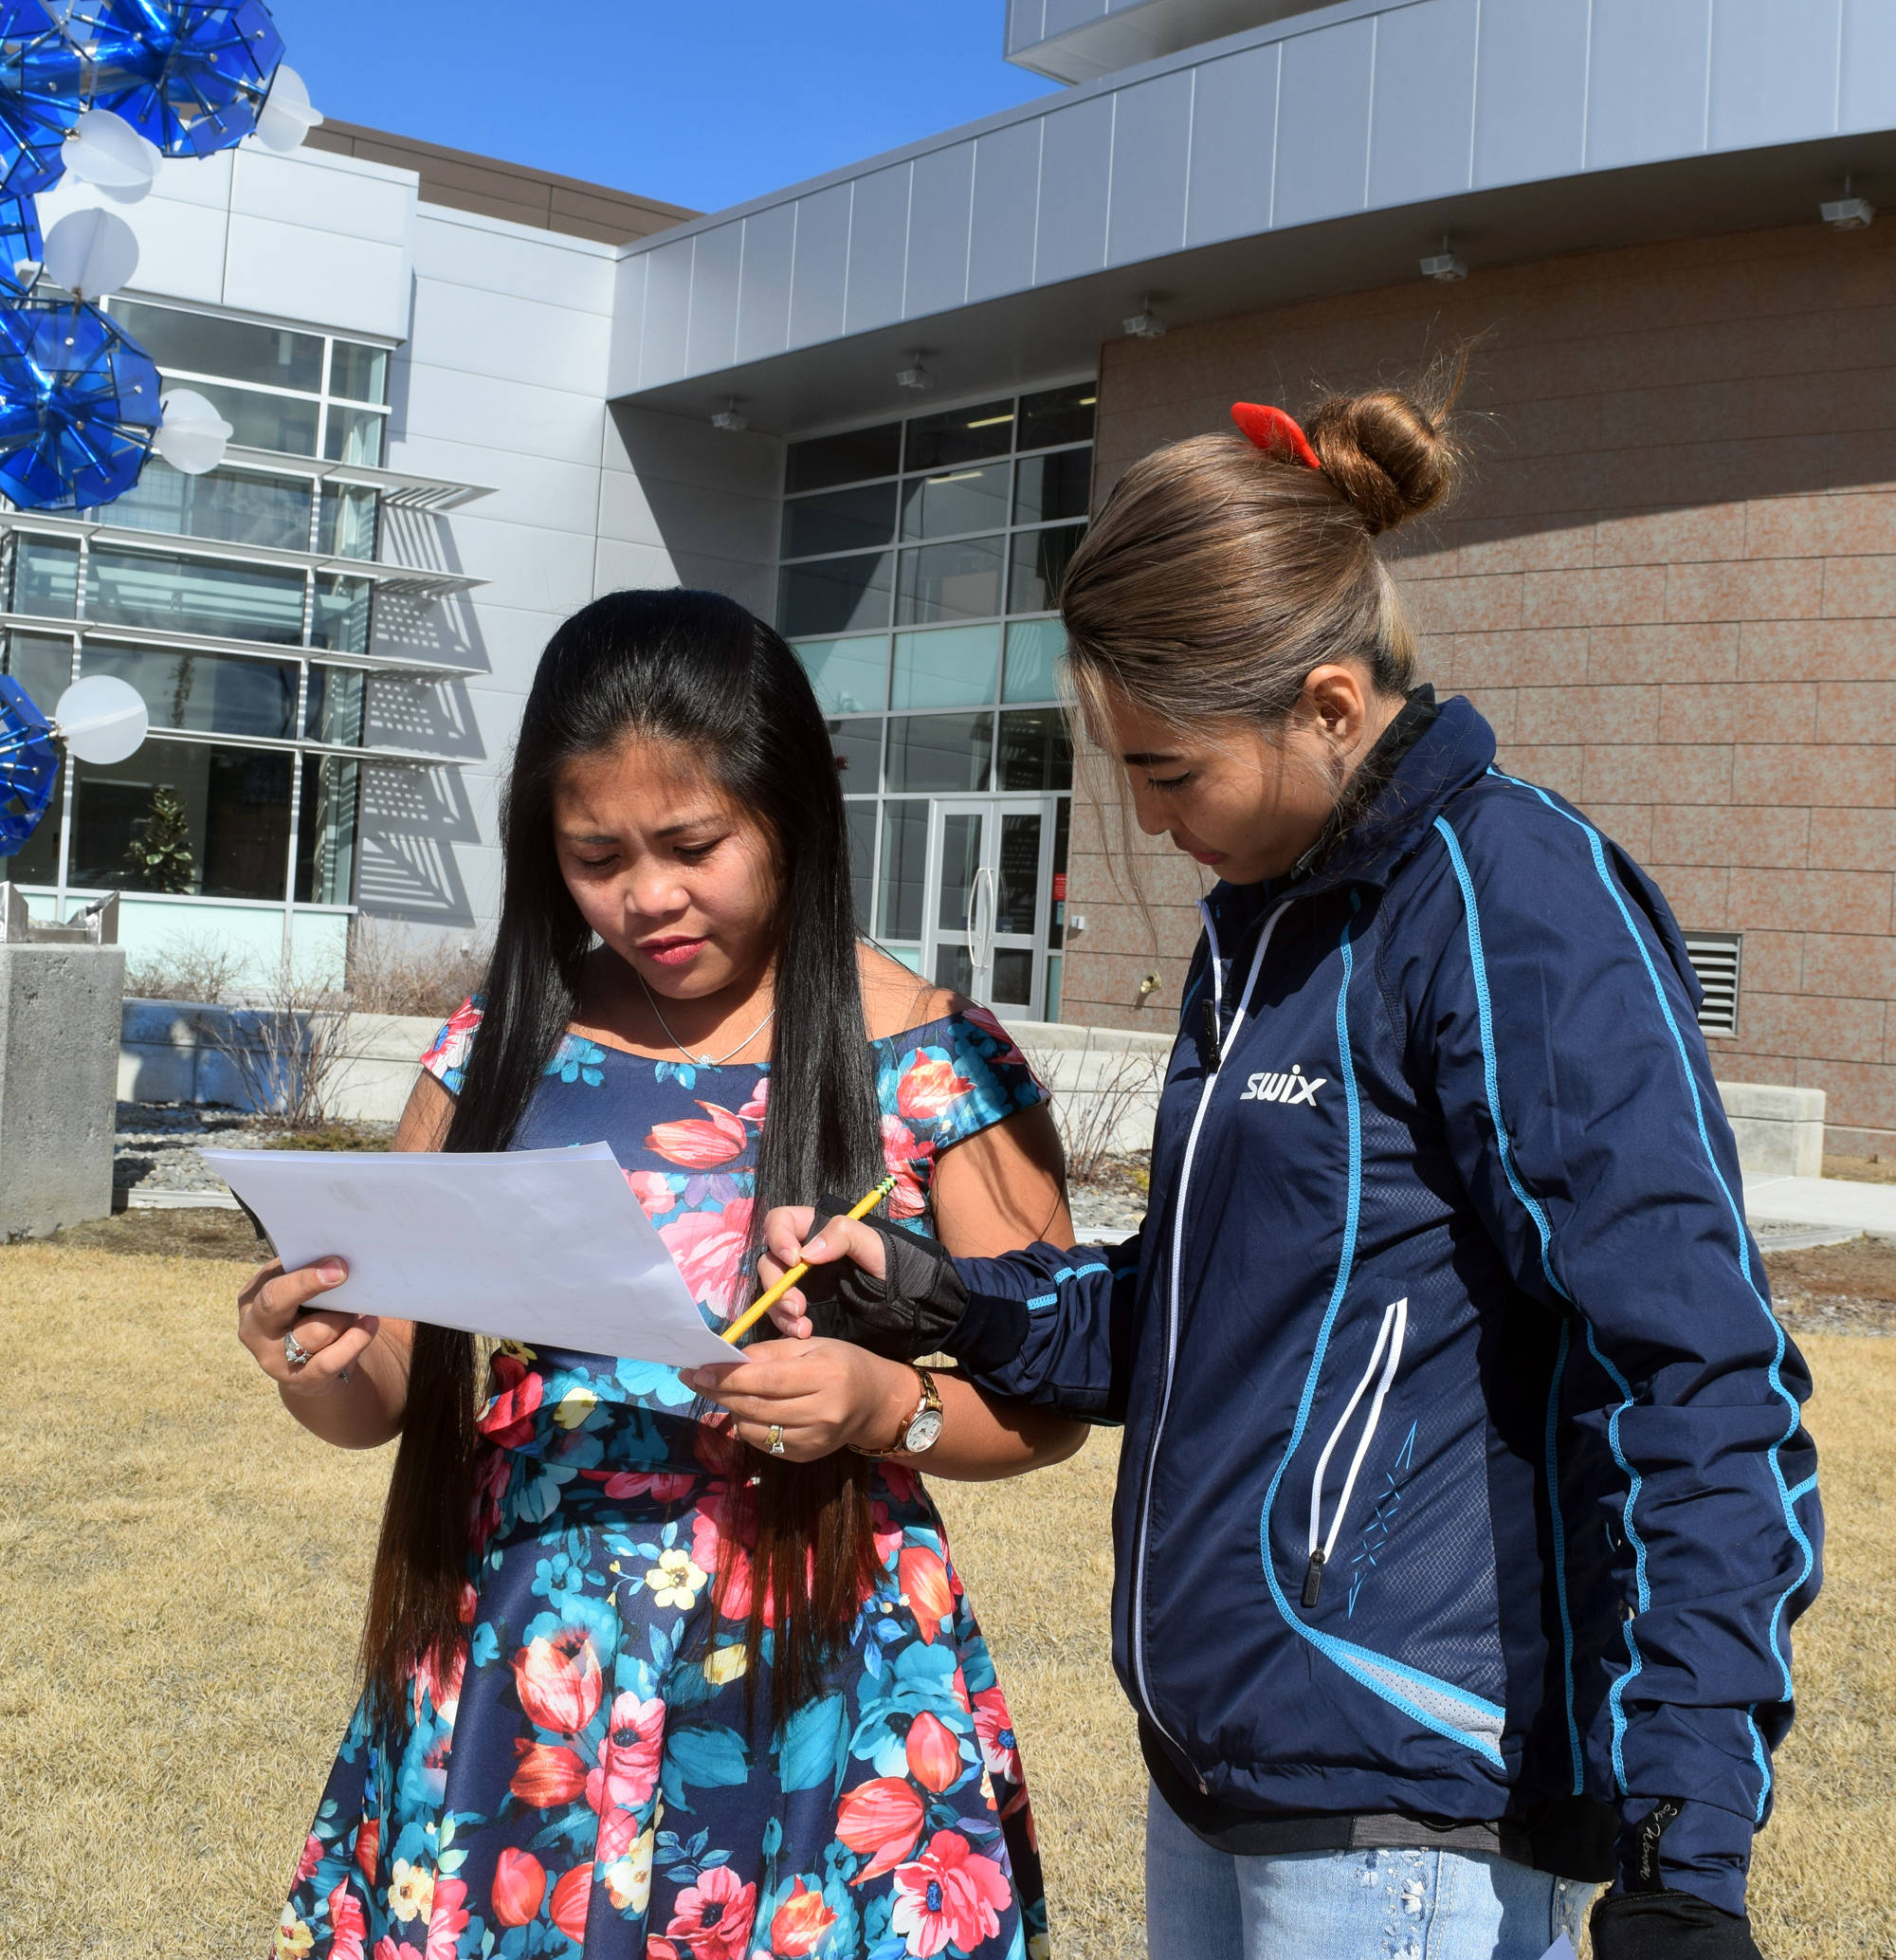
(1313, 1578)
(1211, 1038)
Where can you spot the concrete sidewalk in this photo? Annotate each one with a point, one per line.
(1836, 1202)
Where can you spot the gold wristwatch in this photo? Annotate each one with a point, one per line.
(922, 1431)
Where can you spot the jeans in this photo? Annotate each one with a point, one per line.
(1202, 1904)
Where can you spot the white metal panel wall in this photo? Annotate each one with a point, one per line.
(501, 383)
(315, 237)
(1367, 104)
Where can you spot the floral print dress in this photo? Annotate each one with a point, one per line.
(584, 1779)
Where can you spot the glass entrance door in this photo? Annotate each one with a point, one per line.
(988, 903)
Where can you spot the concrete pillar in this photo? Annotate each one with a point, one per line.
(58, 1070)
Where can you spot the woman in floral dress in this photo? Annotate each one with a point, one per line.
(688, 1689)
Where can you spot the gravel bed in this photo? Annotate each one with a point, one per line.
(157, 1144)
(1104, 1218)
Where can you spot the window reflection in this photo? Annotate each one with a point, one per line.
(214, 693)
(835, 595)
(239, 509)
(184, 818)
(941, 754)
(203, 595)
(1040, 560)
(955, 500)
(325, 869)
(950, 581)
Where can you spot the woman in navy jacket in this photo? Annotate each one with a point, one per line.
(1465, 1506)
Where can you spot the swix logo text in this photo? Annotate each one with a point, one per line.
(1290, 1089)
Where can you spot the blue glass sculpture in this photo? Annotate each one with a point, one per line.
(40, 98)
(19, 240)
(190, 75)
(29, 765)
(79, 406)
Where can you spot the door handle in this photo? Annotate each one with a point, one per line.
(982, 937)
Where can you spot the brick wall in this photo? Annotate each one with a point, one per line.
(1672, 587)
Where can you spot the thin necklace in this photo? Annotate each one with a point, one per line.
(704, 1061)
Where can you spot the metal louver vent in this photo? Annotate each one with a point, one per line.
(1714, 957)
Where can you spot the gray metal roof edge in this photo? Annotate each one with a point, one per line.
(1290, 28)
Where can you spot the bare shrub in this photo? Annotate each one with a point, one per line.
(287, 1046)
(1094, 1094)
(203, 971)
(392, 971)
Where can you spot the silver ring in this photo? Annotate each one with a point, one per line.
(775, 1439)
(294, 1351)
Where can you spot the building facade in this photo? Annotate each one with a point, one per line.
(878, 407)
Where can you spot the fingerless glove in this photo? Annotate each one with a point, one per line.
(912, 1311)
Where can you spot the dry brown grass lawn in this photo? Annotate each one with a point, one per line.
(181, 1571)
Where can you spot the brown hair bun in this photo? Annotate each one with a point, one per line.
(1387, 454)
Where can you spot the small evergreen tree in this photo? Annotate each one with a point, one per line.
(159, 856)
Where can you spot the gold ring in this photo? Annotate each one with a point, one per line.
(775, 1439)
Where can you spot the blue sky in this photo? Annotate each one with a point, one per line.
(699, 102)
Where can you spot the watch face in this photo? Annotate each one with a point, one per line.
(922, 1433)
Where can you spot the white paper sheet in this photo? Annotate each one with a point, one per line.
(1562, 1948)
(549, 1247)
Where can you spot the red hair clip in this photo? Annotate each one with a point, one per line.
(1273, 430)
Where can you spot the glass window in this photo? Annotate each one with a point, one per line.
(1058, 415)
(36, 862)
(904, 871)
(1018, 879)
(45, 576)
(955, 500)
(337, 697)
(359, 373)
(283, 422)
(342, 608)
(325, 868)
(1036, 751)
(950, 581)
(858, 749)
(836, 595)
(939, 755)
(828, 460)
(355, 435)
(952, 667)
(1056, 931)
(348, 523)
(240, 509)
(844, 521)
(1050, 487)
(1013, 980)
(959, 435)
(849, 676)
(42, 665)
(201, 343)
(1035, 648)
(210, 693)
(184, 818)
(862, 821)
(1039, 565)
(181, 595)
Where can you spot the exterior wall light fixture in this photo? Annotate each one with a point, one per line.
(915, 377)
(1145, 324)
(728, 419)
(1445, 265)
(1848, 213)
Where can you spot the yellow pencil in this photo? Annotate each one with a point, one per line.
(751, 1315)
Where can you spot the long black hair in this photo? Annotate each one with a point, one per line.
(698, 670)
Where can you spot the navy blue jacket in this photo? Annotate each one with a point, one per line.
(1463, 1468)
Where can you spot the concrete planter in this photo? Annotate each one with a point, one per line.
(169, 1052)
(1779, 1131)
(1105, 1081)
